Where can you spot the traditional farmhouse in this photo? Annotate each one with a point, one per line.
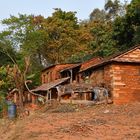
(68, 75)
(120, 74)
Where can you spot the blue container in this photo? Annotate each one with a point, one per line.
(11, 110)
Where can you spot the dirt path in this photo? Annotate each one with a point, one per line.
(100, 122)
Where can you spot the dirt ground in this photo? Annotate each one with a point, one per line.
(69, 122)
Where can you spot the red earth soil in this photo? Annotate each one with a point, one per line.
(68, 122)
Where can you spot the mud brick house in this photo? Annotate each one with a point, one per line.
(120, 74)
(52, 77)
(53, 73)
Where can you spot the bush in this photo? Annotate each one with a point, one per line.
(3, 106)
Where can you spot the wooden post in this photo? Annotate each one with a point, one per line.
(29, 97)
(15, 97)
(33, 99)
(80, 77)
(26, 97)
(47, 97)
(90, 96)
(50, 95)
(71, 75)
(85, 97)
(23, 98)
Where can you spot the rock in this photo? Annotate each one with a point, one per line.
(106, 111)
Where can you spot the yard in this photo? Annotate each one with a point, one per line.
(70, 122)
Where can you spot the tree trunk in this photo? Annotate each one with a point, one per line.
(21, 104)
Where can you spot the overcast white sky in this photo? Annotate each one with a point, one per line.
(45, 7)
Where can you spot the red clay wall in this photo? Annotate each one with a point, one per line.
(122, 80)
(108, 78)
(126, 83)
(53, 73)
(97, 77)
(104, 76)
(47, 75)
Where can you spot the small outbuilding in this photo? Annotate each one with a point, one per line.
(49, 90)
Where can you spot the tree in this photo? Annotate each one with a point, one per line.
(133, 19)
(14, 76)
(60, 37)
(5, 81)
(6, 45)
(123, 33)
(64, 36)
(102, 43)
(98, 15)
(114, 9)
(48, 40)
(18, 27)
(126, 29)
(16, 34)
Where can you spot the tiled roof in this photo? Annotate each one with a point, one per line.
(85, 65)
(112, 59)
(71, 67)
(53, 65)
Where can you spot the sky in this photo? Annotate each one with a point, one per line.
(45, 7)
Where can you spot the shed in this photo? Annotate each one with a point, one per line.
(48, 89)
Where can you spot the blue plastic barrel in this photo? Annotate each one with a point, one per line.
(11, 110)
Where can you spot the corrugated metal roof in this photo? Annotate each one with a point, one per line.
(47, 86)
